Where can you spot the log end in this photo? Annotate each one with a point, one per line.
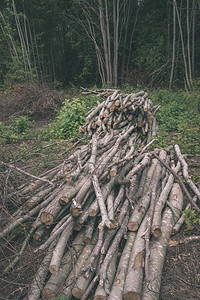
(76, 210)
(133, 226)
(87, 240)
(37, 236)
(25, 207)
(53, 269)
(63, 200)
(77, 292)
(48, 294)
(77, 226)
(157, 232)
(92, 212)
(131, 296)
(99, 297)
(47, 218)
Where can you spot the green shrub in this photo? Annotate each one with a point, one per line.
(72, 116)
(191, 218)
(20, 124)
(179, 114)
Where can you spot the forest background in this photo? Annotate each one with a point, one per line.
(50, 48)
(139, 42)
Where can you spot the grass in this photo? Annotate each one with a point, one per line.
(21, 140)
(178, 119)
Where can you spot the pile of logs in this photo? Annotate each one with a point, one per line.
(104, 218)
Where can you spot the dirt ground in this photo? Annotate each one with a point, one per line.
(180, 277)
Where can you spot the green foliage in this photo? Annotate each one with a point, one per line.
(178, 118)
(17, 129)
(72, 116)
(20, 124)
(191, 218)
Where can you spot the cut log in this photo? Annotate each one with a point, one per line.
(159, 246)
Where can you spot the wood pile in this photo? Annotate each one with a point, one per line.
(104, 218)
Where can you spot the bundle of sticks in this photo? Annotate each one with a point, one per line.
(119, 110)
(104, 218)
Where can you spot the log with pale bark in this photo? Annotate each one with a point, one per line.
(103, 219)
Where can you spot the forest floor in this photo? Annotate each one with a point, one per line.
(181, 272)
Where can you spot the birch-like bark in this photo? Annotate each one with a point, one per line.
(60, 248)
(39, 278)
(174, 45)
(135, 272)
(158, 248)
(183, 46)
(157, 217)
(185, 171)
(104, 38)
(118, 285)
(67, 264)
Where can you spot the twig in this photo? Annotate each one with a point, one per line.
(180, 181)
(26, 173)
(185, 241)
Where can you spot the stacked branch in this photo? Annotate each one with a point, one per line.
(104, 218)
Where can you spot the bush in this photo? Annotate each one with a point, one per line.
(72, 116)
(20, 124)
(36, 99)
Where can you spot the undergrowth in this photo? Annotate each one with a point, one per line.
(178, 120)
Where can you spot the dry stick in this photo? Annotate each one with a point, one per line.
(133, 281)
(36, 199)
(90, 287)
(39, 232)
(85, 254)
(68, 261)
(140, 189)
(110, 205)
(112, 249)
(143, 203)
(89, 230)
(110, 235)
(39, 278)
(84, 216)
(94, 253)
(24, 218)
(148, 145)
(101, 293)
(180, 182)
(105, 219)
(184, 241)
(138, 167)
(157, 217)
(82, 283)
(119, 197)
(26, 173)
(180, 222)
(118, 285)
(158, 247)
(60, 248)
(17, 258)
(185, 171)
(155, 181)
(94, 208)
(54, 235)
